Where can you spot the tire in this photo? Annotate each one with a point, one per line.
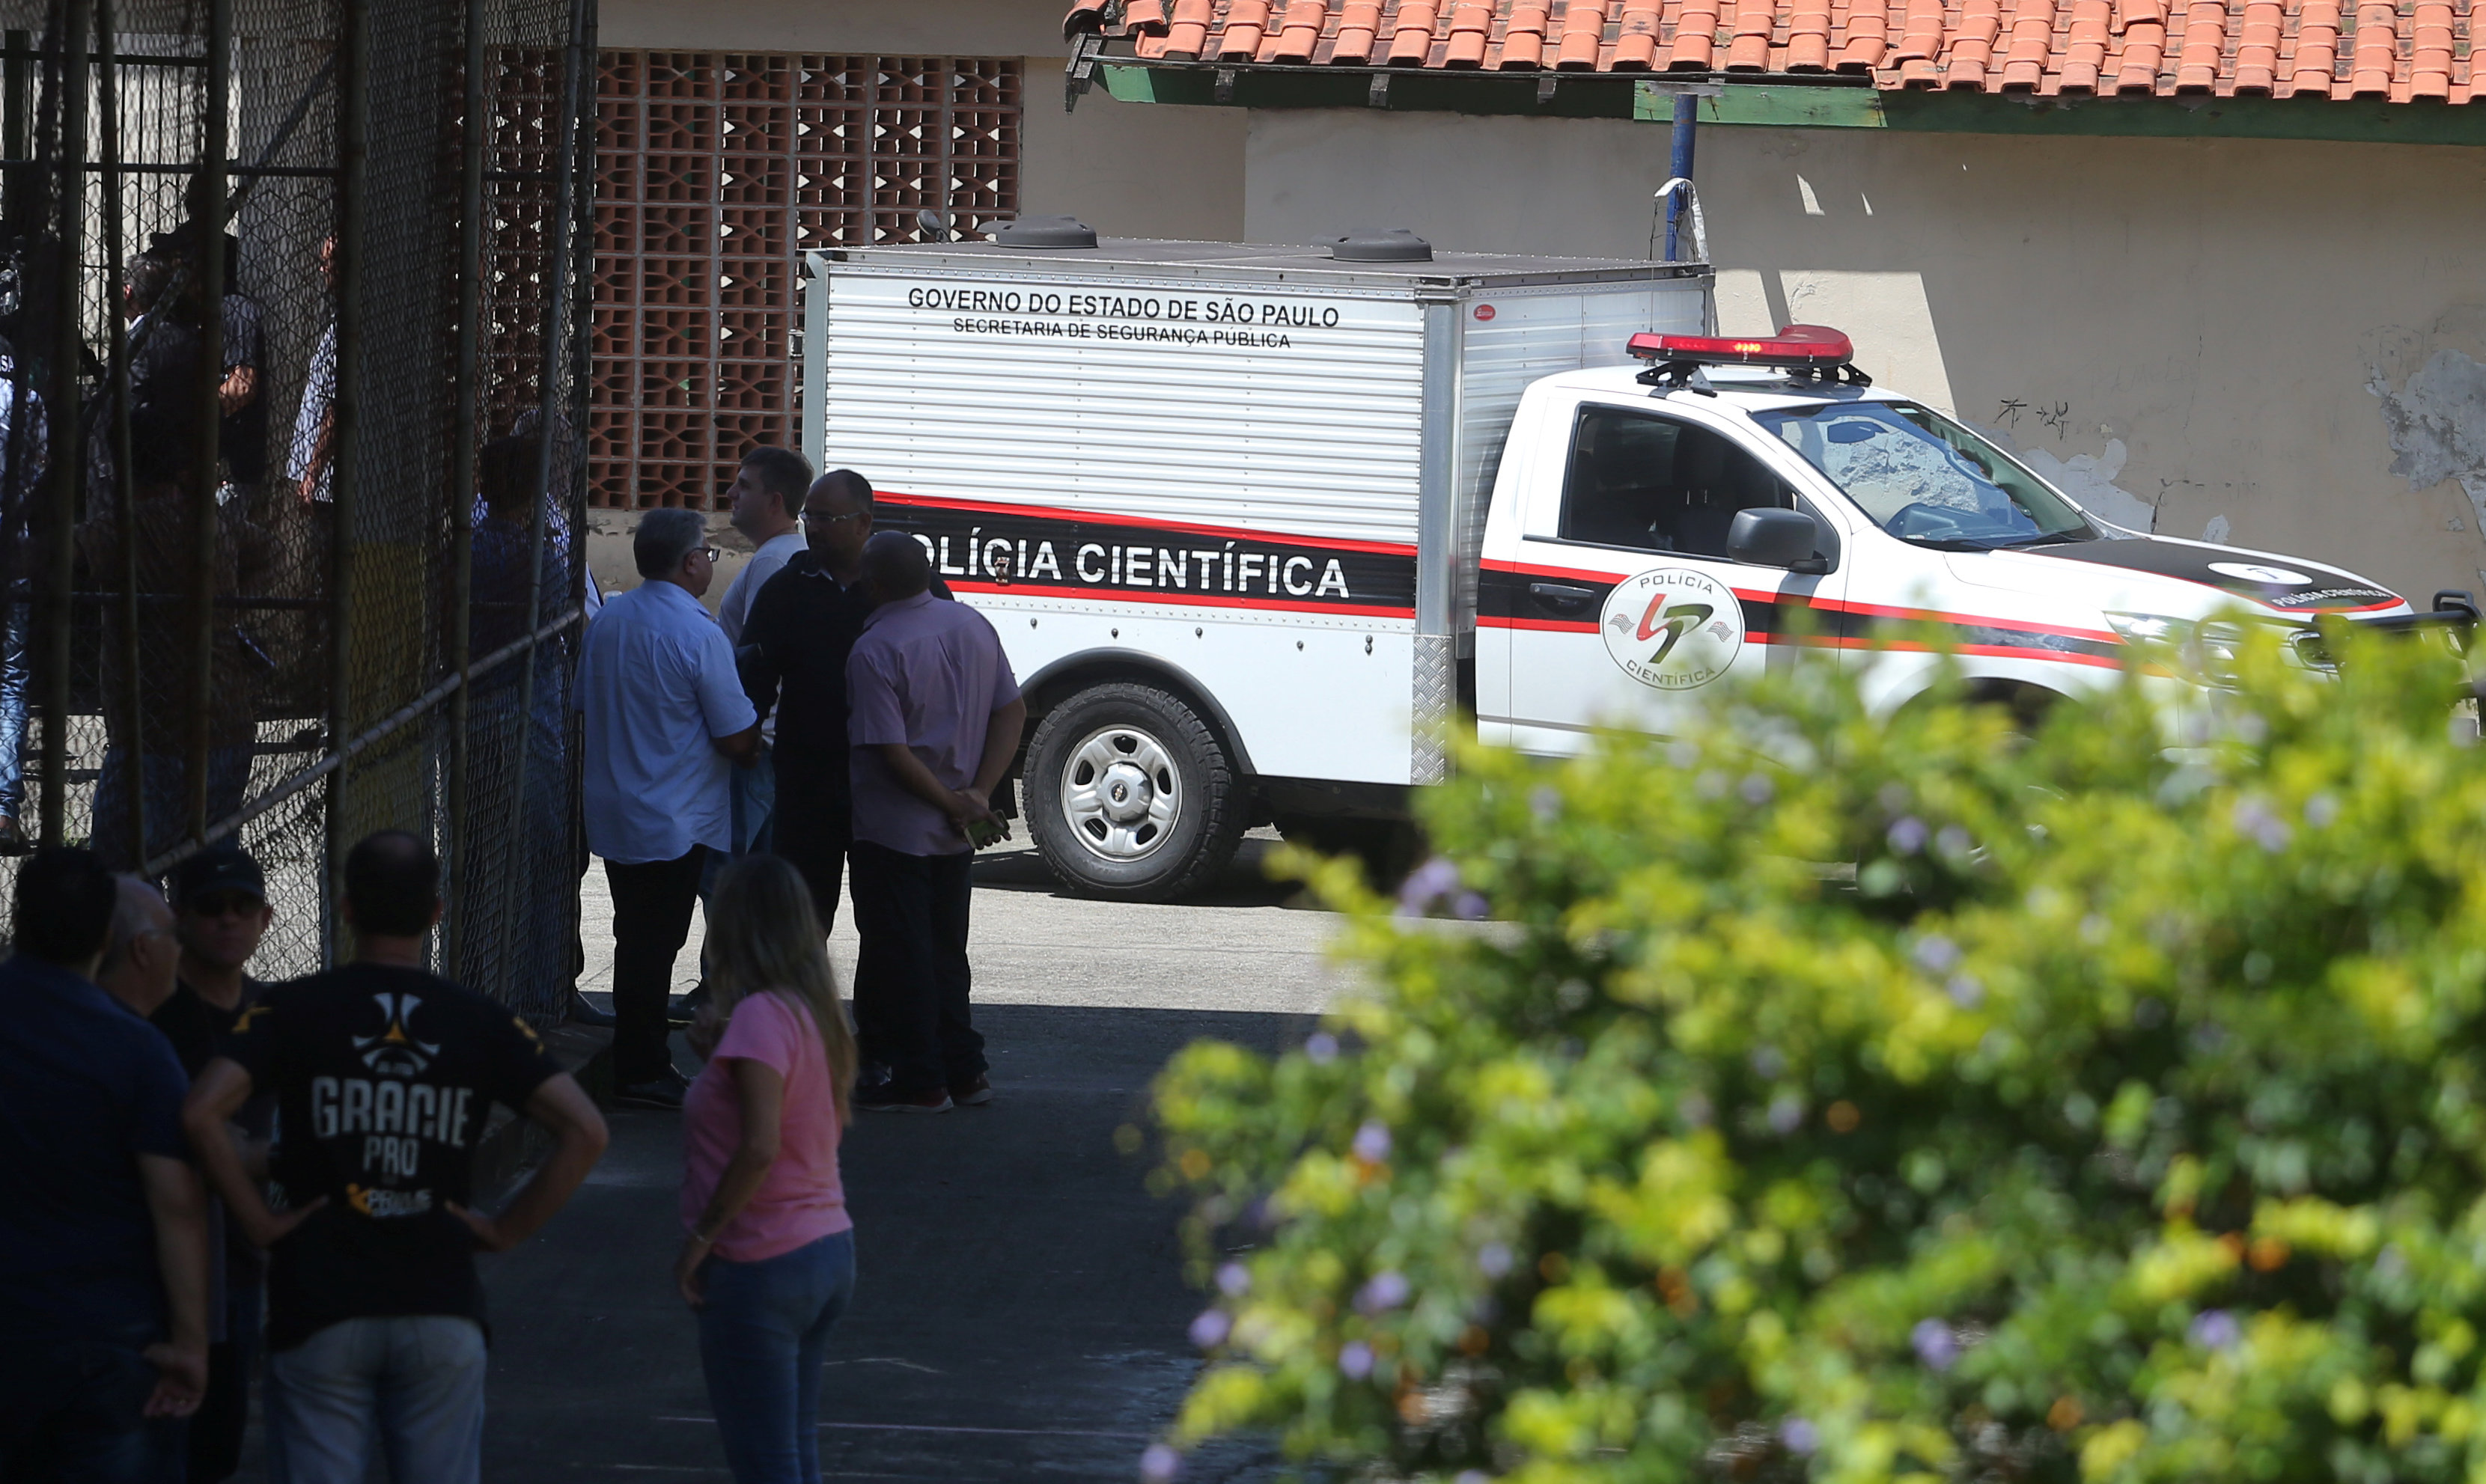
(1181, 813)
(1388, 848)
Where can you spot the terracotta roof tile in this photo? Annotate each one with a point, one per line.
(2285, 48)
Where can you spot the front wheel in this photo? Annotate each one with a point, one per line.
(1131, 795)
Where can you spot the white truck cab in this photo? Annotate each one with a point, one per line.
(1263, 527)
(1654, 533)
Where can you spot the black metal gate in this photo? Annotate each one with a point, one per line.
(292, 285)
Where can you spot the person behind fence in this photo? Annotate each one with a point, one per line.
(385, 1076)
(666, 722)
(220, 912)
(767, 1258)
(793, 656)
(241, 431)
(767, 497)
(934, 717)
(23, 460)
(517, 916)
(164, 511)
(103, 1228)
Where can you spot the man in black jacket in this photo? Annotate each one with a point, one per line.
(794, 660)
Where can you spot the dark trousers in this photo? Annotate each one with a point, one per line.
(74, 1410)
(217, 1428)
(911, 978)
(653, 902)
(811, 830)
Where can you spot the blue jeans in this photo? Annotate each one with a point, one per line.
(763, 1334)
(15, 677)
(417, 1381)
(73, 1411)
(168, 799)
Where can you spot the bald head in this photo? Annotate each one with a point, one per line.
(140, 963)
(896, 566)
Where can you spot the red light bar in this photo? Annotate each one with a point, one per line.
(1798, 345)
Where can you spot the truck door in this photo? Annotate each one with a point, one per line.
(1621, 605)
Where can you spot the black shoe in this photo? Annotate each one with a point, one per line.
(885, 1097)
(974, 1092)
(664, 1093)
(678, 1014)
(582, 1011)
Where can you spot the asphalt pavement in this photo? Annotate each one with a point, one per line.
(1020, 1309)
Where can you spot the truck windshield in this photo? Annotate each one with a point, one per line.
(1924, 479)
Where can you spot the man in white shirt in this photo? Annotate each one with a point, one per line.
(666, 723)
(768, 509)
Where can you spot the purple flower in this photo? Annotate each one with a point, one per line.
(1786, 1112)
(1936, 953)
(2215, 1329)
(1472, 1476)
(1800, 1437)
(1372, 1143)
(1492, 1259)
(1954, 840)
(1427, 884)
(2253, 818)
(1235, 1281)
(2320, 810)
(1695, 1110)
(1545, 801)
(1470, 907)
(1908, 834)
(1384, 1291)
(1966, 991)
(1355, 1359)
(1159, 1463)
(1934, 1344)
(1757, 789)
(1321, 1048)
(1209, 1329)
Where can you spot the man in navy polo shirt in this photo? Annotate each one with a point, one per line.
(103, 1233)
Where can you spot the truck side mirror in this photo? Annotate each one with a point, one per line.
(1775, 537)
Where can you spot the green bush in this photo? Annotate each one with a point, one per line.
(2117, 1113)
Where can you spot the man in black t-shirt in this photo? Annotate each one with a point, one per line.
(220, 912)
(384, 1077)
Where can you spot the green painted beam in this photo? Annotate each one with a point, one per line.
(1779, 103)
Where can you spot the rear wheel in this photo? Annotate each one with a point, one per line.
(1131, 795)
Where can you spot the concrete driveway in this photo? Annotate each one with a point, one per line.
(1020, 1310)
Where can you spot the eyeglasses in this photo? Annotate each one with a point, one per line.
(708, 551)
(825, 518)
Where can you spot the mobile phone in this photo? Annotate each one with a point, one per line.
(981, 833)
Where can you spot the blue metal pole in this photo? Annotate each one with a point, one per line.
(1679, 166)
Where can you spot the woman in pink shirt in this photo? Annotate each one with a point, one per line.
(768, 1253)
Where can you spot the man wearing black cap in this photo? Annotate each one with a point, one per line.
(220, 912)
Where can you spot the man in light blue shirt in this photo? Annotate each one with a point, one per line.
(767, 493)
(666, 722)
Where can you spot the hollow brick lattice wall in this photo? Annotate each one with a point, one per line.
(715, 173)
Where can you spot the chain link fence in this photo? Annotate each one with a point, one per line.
(293, 475)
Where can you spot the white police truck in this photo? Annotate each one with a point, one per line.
(1260, 526)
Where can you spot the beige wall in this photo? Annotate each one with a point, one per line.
(2276, 343)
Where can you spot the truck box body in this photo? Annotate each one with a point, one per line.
(1255, 469)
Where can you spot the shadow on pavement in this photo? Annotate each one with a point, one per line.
(1020, 1312)
(1244, 883)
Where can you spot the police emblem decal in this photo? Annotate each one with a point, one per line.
(1672, 629)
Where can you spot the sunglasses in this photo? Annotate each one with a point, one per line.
(225, 904)
(708, 551)
(825, 518)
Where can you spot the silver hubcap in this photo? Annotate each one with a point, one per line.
(1120, 793)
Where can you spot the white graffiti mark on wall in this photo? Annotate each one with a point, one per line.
(2089, 479)
(2437, 422)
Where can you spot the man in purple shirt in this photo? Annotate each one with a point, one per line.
(933, 718)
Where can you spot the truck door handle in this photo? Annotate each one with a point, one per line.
(1561, 597)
